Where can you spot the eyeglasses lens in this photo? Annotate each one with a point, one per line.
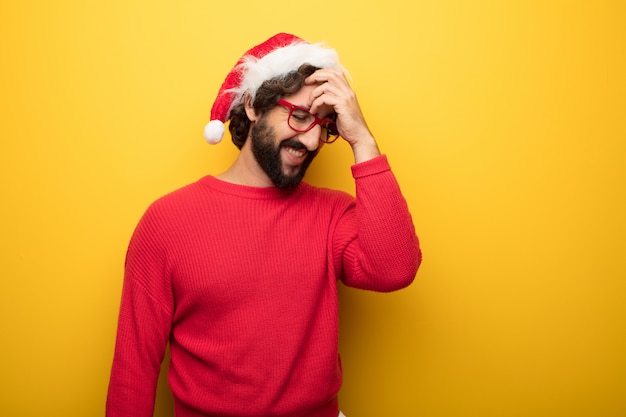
(303, 121)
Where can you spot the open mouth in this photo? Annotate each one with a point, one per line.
(298, 153)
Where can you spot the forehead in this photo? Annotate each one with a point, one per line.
(304, 98)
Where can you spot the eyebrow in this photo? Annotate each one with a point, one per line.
(307, 108)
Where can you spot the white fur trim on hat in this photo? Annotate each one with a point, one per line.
(279, 62)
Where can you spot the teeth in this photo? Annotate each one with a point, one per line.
(296, 152)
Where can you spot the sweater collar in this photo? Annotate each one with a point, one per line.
(245, 191)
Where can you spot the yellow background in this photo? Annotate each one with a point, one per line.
(505, 124)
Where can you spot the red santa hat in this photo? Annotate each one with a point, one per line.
(279, 55)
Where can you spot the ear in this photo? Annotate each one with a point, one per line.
(250, 112)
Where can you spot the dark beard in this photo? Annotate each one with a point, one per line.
(268, 156)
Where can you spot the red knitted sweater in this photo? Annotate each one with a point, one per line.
(241, 282)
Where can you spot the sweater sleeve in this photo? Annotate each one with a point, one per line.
(143, 327)
(378, 244)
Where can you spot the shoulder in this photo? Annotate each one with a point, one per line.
(176, 204)
(313, 190)
(328, 197)
(177, 197)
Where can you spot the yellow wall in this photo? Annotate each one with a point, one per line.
(505, 122)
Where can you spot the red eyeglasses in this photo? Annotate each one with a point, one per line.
(301, 120)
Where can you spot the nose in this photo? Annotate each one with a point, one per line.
(311, 139)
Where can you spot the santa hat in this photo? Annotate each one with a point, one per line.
(279, 55)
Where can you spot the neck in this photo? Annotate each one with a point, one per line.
(245, 170)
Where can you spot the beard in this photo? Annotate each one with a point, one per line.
(267, 155)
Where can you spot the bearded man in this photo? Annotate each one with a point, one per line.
(238, 272)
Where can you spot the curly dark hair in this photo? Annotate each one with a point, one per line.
(267, 97)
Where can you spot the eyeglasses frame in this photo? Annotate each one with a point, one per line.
(323, 122)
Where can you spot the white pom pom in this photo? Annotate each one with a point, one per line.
(214, 131)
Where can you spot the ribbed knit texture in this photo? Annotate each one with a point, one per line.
(242, 282)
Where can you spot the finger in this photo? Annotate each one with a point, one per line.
(324, 75)
(325, 94)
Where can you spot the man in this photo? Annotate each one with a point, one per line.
(238, 272)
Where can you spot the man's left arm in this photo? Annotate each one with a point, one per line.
(383, 253)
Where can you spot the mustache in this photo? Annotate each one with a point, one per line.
(293, 143)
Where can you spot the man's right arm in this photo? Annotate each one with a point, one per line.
(143, 328)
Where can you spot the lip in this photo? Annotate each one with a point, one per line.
(293, 156)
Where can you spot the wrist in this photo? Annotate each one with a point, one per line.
(365, 149)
